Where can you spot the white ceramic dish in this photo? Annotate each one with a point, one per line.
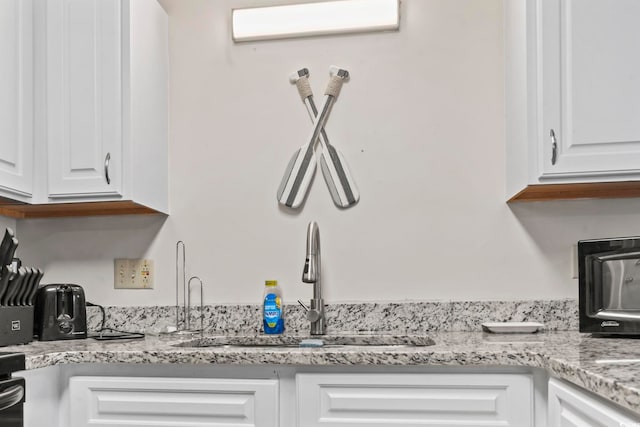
(512, 327)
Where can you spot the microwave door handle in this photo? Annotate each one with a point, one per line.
(615, 256)
(617, 315)
(11, 396)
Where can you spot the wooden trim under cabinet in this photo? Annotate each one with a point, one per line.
(55, 210)
(588, 190)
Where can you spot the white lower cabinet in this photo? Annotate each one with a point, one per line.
(100, 401)
(128, 395)
(461, 400)
(571, 407)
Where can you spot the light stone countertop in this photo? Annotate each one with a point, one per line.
(605, 366)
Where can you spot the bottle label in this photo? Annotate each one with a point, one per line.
(272, 310)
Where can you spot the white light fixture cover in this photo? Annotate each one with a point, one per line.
(311, 19)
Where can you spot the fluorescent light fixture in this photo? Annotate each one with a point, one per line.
(312, 19)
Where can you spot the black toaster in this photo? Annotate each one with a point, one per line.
(60, 313)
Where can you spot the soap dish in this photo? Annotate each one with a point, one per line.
(512, 327)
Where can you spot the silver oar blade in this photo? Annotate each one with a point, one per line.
(303, 170)
(342, 178)
(297, 178)
(287, 176)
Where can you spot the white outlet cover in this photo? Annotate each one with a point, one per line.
(133, 274)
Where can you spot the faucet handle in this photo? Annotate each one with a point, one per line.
(306, 307)
(312, 314)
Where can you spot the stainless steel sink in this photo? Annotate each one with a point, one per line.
(303, 341)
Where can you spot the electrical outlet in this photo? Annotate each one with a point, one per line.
(133, 274)
(120, 270)
(144, 273)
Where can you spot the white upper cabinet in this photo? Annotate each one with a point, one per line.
(107, 101)
(84, 98)
(83, 107)
(590, 87)
(572, 92)
(16, 99)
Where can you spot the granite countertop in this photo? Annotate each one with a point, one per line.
(607, 367)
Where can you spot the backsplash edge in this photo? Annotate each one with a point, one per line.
(389, 317)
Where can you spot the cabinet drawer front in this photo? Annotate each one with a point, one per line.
(570, 407)
(415, 400)
(172, 402)
(84, 97)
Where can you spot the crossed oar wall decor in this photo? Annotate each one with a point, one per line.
(299, 173)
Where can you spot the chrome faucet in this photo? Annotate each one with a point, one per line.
(311, 274)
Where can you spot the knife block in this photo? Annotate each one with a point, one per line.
(16, 325)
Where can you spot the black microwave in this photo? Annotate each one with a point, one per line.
(609, 286)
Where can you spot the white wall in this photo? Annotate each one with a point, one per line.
(421, 124)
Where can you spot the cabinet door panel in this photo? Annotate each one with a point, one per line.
(16, 97)
(84, 88)
(591, 87)
(172, 402)
(462, 400)
(569, 407)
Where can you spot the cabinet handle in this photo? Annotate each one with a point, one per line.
(554, 147)
(106, 168)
